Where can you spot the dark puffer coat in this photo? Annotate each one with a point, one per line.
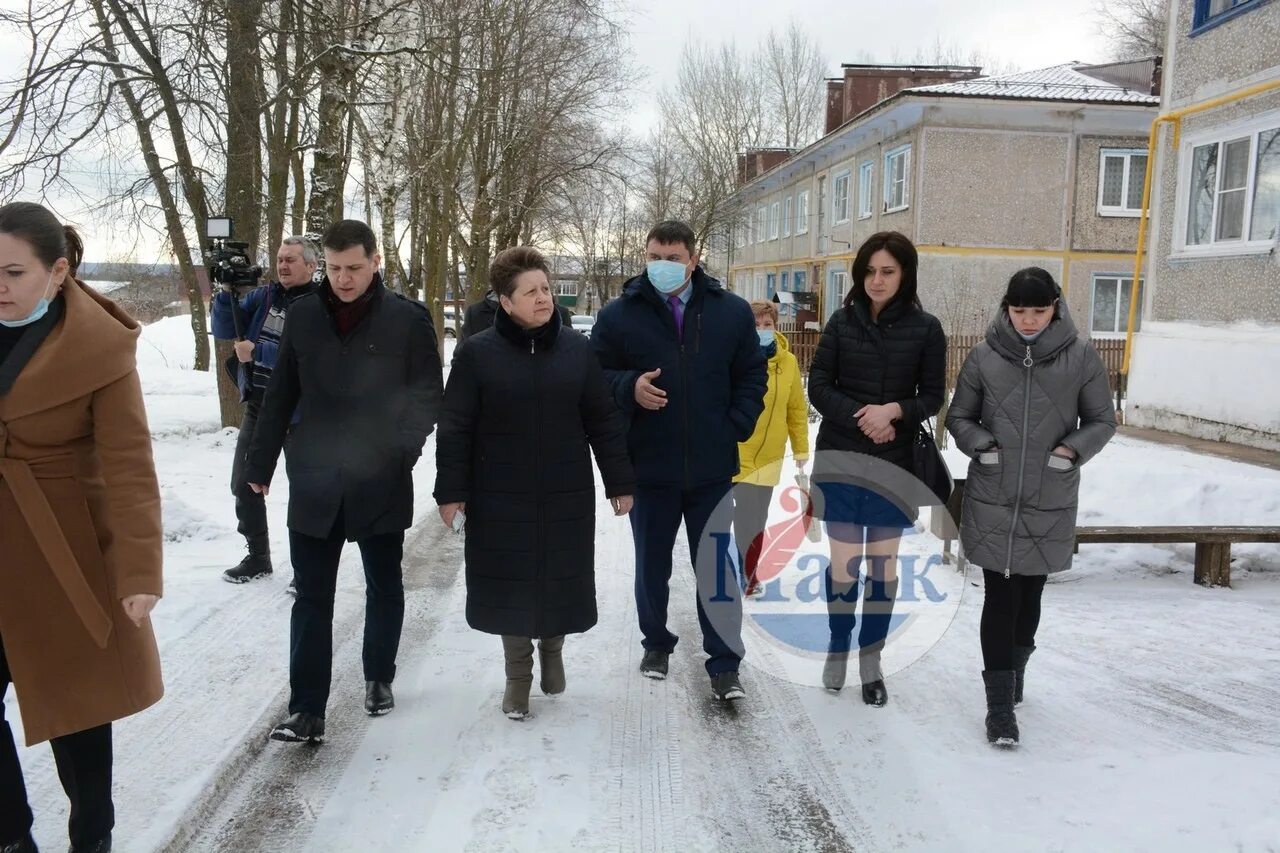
(1022, 401)
(899, 358)
(520, 410)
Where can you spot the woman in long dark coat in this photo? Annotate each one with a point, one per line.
(878, 373)
(523, 402)
(1032, 405)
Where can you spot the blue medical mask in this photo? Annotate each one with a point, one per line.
(1030, 338)
(666, 276)
(766, 337)
(42, 308)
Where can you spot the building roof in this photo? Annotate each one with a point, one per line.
(1066, 82)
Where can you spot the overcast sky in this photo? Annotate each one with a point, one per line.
(1027, 34)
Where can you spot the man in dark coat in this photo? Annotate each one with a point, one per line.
(479, 315)
(265, 309)
(361, 366)
(685, 365)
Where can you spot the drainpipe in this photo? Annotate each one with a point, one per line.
(1173, 117)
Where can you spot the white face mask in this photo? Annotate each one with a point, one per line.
(37, 313)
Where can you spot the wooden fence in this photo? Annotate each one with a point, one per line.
(804, 343)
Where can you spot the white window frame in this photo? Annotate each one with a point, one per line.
(1122, 209)
(847, 178)
(1125, 280)
(565, 288)
(775, 216)
(903, 151)
(866, 176)
(787, 212)
(835, 294)
(758, 289)
(802, 212)
(762, 223)
(1250, 128)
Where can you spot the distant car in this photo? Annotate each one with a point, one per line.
(450, 313)
(583, 323)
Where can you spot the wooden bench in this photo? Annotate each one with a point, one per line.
(1213, 544)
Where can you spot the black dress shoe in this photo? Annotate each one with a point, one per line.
(25, 845)
(300, 728)
(102, 845)
(378, 699)
(654, 664)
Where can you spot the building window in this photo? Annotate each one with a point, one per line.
(1232, 192)
(840, 199)
(798, 281)
(1120, 178)
(786, 216)
(1213, 12)
(762, 223)
(802, 212)
(770, 285)
(836, 279)
(865, 172)
(566, 288)
(1109, 311)
(897, 166)
(774, 215)
(742, 234)
(759, 288)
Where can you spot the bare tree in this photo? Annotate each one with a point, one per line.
(1136, 28)
(795, 84)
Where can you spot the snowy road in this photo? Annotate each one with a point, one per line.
(1149, 725)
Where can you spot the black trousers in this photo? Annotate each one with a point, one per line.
(1010, 616)
(251, 507)
(315, 569)
(750, 517)
(655, 521)
(84, 766)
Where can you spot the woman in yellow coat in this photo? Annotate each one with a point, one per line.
(80, 532)
(760, 457)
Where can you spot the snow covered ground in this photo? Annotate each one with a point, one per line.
(1150, 721)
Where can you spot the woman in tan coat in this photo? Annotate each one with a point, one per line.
(80, 566)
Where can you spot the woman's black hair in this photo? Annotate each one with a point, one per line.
(1032, 287)
(39, 228)
(903, 251)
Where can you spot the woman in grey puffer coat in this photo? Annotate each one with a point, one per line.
(1031, 406)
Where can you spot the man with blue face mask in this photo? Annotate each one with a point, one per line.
(686, 368)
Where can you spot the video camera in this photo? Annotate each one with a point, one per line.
(229, 264)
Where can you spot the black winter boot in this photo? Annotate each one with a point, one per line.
(257, 564)
(102, 845)
(1002, 725)
(1020, 655)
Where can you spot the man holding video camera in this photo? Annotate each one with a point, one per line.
(261, 319)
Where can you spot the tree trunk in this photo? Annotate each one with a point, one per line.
(244, 133)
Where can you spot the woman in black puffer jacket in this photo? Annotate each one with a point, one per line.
(524, 401)
(878, 373)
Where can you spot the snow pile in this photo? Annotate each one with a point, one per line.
(183, 521)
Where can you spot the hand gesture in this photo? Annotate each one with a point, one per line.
(648, 395)
(876, 422)
(448, 511)
(260, 489)
(139, 607)
(244, 351)
(1063, 450)
(622, 505)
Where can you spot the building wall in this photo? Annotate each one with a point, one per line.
(964, 291)
(1212, 61)
(1203, 363)
(994, 188)
(1091, 230)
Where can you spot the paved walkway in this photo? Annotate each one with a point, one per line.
(1224, 449)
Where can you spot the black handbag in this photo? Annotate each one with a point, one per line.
(929, 466)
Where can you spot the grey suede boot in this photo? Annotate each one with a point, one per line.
(1020, 655)
(519, 663)
(551, 664)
